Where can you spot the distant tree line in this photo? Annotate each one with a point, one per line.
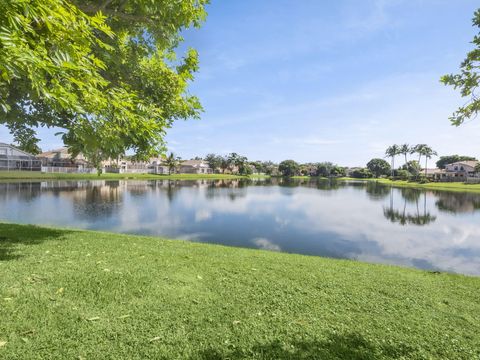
(411, 168)
(234, 163)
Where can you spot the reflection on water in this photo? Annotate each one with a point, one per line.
(357, 220)
(403, 217)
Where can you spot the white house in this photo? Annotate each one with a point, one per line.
(458, 171)
(12, 159)
(195, 167)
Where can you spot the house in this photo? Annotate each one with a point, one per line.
(62, 158)
(195, 167)
(12, 159)
(157, 166)
(458, 171)
(126, 166)
(462, 168)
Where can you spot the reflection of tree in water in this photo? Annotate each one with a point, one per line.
(320, 184)
(403, 217)
(96, 201)
(139, 188)
(232, 189)
(376, 191)
(170, 187)
(457, 202)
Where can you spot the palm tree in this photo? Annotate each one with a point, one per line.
(428, 152)
(172, 162)
(391, 152)
(418, 149)
(405, 149)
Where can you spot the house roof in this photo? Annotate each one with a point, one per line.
(434, 171)
(61, 153)
(17, 149)
(52, 153)
(194, 163)
(471, 163)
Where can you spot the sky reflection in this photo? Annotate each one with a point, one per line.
(356, 220)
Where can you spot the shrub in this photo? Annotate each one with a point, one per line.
(403, 174)
(362, 174)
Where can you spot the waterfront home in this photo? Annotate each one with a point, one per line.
(61, 158)
(12, 159)
(462, 168)
(158, 166)
(458, 171)
(126, 166)
(61, 161)
(195, 167)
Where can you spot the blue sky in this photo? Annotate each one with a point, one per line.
(325, 80)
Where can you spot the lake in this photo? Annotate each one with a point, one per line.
(366, 221)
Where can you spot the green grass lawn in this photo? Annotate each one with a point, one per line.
(448, 186)
(35, 175)
(68, 294)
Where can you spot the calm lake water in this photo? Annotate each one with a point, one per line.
(354, 220)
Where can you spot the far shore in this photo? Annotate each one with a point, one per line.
(441, 186)
(26, 175)
(32, 176)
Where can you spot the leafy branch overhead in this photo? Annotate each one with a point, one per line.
(105, 72)
(468, 80)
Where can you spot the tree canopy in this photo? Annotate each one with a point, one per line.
(379, 167)
(289, 168)
(105, 72)
(468, 80)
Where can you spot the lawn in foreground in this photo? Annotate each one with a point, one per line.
(68, 294)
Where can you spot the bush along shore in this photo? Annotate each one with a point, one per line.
(68, 294)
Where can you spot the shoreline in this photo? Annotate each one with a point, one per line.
(440, 186)
(28, 176)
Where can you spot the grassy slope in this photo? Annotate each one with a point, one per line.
(26, 175)
(84, 295)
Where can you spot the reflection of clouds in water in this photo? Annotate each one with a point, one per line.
(193, 236)
(202, 215)
(362, 223)
(346, 223)
(266, 244)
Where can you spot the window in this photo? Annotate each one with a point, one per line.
(462, 168)
(3, 151)
(456, 168)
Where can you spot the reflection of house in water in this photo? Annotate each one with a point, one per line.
(20, 190)
(458, 202)
(405, 215)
